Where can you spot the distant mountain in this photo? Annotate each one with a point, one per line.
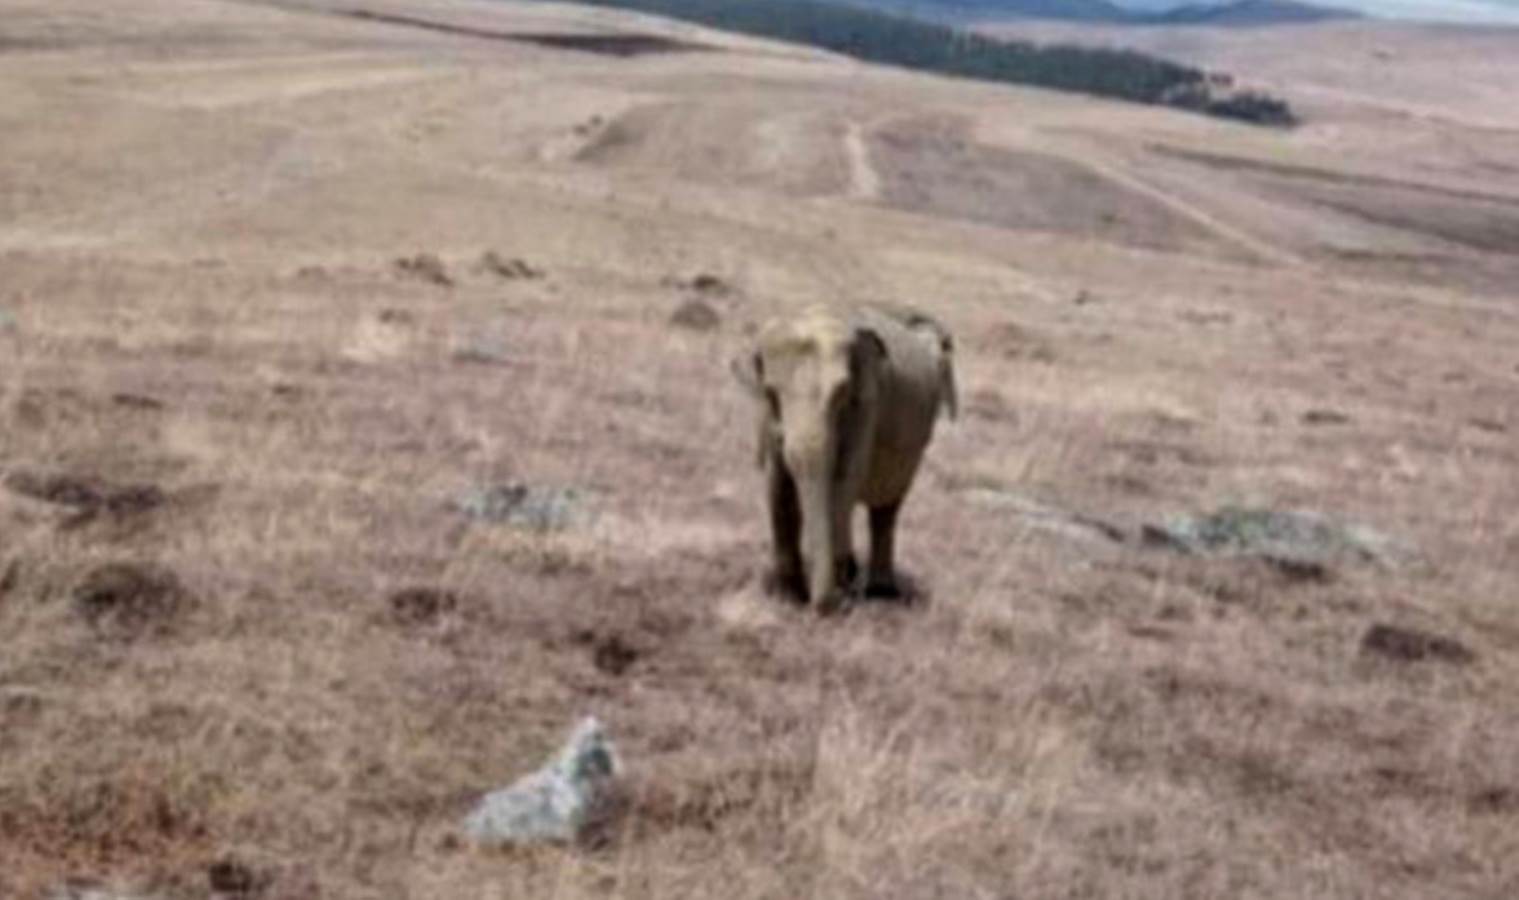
(1238, 13)
(1249, 12)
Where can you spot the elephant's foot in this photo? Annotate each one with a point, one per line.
(882, 584)
(832, 604)
(789, 584)
(846, 573)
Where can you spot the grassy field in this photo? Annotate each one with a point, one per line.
(263, 325)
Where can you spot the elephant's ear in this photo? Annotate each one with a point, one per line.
(868, 352)
(947, 375)
(749, 372)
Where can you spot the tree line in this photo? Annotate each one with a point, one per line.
(892, 40)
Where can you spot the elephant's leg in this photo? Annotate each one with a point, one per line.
(786, 531)
(846, 566)
(881, 580)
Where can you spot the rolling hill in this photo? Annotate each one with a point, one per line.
(1235, 13)
(366, 420)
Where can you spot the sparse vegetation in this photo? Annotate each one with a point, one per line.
(287, 583)
(894, 40)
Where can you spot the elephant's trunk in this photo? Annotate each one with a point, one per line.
(811, 460)
(818, 541)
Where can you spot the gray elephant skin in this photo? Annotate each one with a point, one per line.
(847, 402)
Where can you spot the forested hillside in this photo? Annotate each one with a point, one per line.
(894, 40)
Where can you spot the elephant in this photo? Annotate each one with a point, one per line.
(847, 402)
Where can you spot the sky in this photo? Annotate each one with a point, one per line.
(1445, 10)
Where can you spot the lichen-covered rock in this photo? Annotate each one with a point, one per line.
(534, 507)
(555, 803)
(1289, 537)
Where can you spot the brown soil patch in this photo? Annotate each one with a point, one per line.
(617, 45)
(130, 599)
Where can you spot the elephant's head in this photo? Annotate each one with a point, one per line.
(818, 381)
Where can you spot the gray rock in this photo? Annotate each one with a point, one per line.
(7, 321)
(86, 889)
(1292, 538)
(555, 803)
(525, 506)
(483, 348)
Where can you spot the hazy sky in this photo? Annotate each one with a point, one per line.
(1448, 10)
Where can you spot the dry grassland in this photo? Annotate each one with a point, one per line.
(250, 646)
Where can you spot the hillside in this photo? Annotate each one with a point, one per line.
(1246, 13)
(366, 420)
(927, 47)
(1238, 13)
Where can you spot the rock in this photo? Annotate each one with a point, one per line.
(486, 343)
(87, 889)
(557, 802)
(1296, 542)
(1413, 645)
(482, 349)
(525, 506)
(697, 315)
(7, 322)
(425, 267)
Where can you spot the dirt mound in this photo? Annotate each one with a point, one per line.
(696, 315)
(426, 267)
(421, 605)
(129, 600)
(88, 496)
(508, 269)
(1401, 644)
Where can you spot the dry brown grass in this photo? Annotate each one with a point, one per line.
(203, 208)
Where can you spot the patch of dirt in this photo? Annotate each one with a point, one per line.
(696, 315)
(509, 269)
(1325, 417)
(137, 401)
(618, 45)
(930, 166)
(1405, 645)
(10, 577)
(128, 600)
(426, 267)
(421, 605)
(230, 877)
(611, 653)
(89, 497)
